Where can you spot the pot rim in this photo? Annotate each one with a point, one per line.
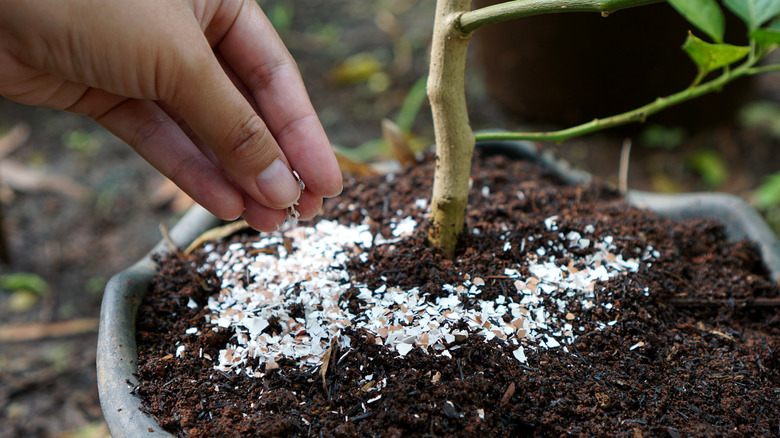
(117, 353)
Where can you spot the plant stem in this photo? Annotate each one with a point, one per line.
(636, 115)
(454, 137)
(473, 20)
(763, 69)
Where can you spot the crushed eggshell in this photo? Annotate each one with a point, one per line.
(305, 269)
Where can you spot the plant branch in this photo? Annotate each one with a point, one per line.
(636, 115)
(763, 69)
(472, 20)
(454, 137)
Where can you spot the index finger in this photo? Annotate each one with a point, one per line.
(253, 49)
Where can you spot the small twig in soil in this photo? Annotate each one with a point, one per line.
(508, 394)
(324, 367)
(217, 233)
(167, 238)
(362, 416)
(699, 302)
(676, 277)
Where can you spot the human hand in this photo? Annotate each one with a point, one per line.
(204, 90)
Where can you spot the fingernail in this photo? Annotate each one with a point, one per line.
(278, 184)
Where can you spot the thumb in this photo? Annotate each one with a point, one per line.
(222, 117)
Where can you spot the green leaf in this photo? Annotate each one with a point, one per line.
(709, 57)
(704, 14)
(765, 37)
(412, 104)
(754, 12)
(768, 193)
(356, 68)
(768, 35)
(662, 137)
(82, 141)
(24, 281)
(710, 167)
(281, 16)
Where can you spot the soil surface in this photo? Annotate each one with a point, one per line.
(75, 243)
(689, 345)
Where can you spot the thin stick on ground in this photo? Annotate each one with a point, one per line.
(14, 333)
(625, 153)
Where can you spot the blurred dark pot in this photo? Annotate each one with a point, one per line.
(570, 68)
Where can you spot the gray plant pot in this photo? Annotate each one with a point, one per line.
(117, 353)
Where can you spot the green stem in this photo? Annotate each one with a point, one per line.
(473, 20)
(763, 69)
(636, 115)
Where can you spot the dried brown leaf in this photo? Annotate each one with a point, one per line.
(14, 139)
(398, 143)
(353, 167)
(23, 178)
(367, 386)
(324, 367)
(12, 333)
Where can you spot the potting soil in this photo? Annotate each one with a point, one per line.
(566, 311)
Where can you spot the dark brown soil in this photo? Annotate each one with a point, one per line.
(710, 364)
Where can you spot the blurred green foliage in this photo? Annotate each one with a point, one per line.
(378, 148)
(761, 115)
(767, 195)
(710, 166)
(25, 290)
(663, 137)
(23, 281)
(82, 141)
(281, 16)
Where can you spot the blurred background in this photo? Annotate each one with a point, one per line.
(78, 205)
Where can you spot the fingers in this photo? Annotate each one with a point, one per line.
(251, 148)
(220, 104)
(160, 141)
(217, 113)
(263, 218)
(257, 55)
(176, 116)
(308, 204)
